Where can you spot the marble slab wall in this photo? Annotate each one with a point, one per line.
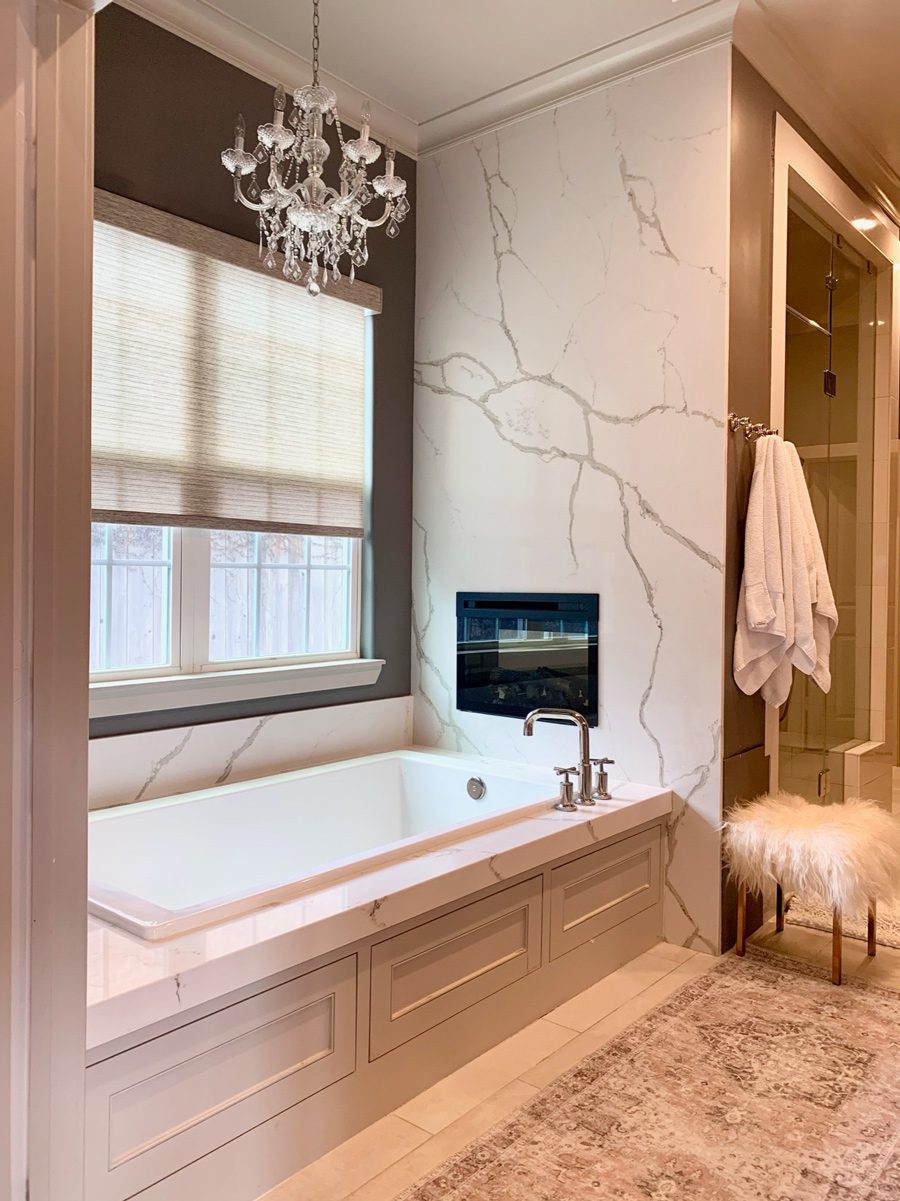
(570, 405)
(142, 767)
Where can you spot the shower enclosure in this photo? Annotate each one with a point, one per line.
(829, 405)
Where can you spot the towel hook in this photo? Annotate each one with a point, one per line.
(752, 429)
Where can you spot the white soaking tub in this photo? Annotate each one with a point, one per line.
(164, 867)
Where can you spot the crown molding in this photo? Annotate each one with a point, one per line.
(679, 35)
(759, 41)
(200, 22)
(205, 26)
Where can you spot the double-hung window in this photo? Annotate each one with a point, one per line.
(228, 468)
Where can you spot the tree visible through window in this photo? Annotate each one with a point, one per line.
(167, 601)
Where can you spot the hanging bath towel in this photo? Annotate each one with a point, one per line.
(786, 613)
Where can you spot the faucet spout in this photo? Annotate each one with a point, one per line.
(584, 743)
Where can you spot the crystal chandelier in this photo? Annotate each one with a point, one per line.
(310, 222)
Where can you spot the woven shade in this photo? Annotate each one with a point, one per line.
(223, 396)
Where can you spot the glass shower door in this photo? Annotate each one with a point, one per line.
(829, 408)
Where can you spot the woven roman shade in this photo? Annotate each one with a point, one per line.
(223, 396)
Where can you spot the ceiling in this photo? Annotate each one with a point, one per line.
(838, 63)
(437, 70)
(852, 50)
(441, 70)
(425, 58)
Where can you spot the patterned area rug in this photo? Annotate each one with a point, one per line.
(759, 1081)
(818, 917)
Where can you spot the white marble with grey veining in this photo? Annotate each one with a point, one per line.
(133, 984)
(570, 404)
(142, 767)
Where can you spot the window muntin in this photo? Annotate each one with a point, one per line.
(182, 602)
(275, 596)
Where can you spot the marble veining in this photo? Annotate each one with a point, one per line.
(570, 405)
(143, 767)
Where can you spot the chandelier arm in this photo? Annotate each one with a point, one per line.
(248, 204)
(277, 185)
(343, 204)
(388, 209)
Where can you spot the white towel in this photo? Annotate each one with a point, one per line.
(824, 609)
(761, 638)
(786, 613)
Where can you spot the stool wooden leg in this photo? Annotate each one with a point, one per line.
(779, 909)
(836, 947)
(741, 947)
(870, 950)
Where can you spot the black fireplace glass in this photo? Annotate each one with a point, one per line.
(518, 651)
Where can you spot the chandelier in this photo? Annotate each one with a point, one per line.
(311, 223)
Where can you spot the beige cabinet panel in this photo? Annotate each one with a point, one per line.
(159, 1106)
(430, 973)
(594, 893)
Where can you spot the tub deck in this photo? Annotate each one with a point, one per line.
(133, 983)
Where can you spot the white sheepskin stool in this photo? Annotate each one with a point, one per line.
(844, 855)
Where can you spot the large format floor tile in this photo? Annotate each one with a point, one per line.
(350, 1165)
(456, 1094)
(386, 1158)
(814, 946)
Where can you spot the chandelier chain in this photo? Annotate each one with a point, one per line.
(315, 41)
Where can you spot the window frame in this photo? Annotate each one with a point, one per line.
(192, 678)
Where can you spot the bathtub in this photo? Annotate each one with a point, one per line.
(165, 867)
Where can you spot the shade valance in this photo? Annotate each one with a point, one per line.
(223, 396)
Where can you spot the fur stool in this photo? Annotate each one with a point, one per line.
(846, 855)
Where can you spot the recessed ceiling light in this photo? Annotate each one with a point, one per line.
(864, 223)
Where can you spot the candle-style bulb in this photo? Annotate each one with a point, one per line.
(240, 129)
(365, 122)
(279, 98)
(389, 155)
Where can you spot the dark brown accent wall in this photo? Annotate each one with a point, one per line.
(754, 105)
(165, 109)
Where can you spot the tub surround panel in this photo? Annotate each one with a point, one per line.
(570, 429)
(134, 984)
(159, 763)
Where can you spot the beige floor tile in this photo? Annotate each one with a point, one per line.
(810, 946)
(453, 1096)
(814, 946)
(672, 951)
(335, 1176)
(598, 1035)
(424, 1159)
(884, 969)
(609, 994)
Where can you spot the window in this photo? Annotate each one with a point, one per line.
(166, 601)
(228, 470)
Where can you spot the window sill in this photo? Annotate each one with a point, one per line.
(113, 698)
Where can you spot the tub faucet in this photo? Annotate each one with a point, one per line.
(585, 783)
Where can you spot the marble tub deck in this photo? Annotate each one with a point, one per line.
(132, 984)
